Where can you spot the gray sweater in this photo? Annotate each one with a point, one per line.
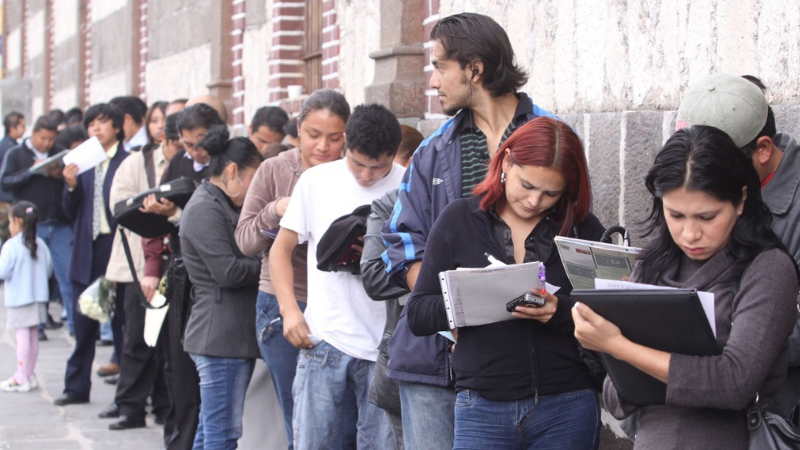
(222, 320)
(707, 396)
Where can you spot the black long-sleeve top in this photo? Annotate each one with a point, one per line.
(512, 359)
(43, 191)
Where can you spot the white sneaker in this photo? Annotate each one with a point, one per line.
(11, 385)
(33, 381)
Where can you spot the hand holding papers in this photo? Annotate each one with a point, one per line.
(479, 296)
(87, 155)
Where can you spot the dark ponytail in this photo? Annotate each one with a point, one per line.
(240, 151)
(28, 213)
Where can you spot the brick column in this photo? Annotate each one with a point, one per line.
(330, 45)
(50, 55)
(86, 53)
(237, 37)
(434, 108)
(26, 15)
(285, 65)
(221, 57)
(399, 83)
(139, 52)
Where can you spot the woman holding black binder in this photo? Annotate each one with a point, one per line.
(712, 233)
(521, 384)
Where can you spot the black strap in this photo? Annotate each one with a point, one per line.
(127, 247)
(149, 165)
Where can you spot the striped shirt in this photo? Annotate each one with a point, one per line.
(475, 155)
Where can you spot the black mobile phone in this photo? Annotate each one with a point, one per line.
(525, 300)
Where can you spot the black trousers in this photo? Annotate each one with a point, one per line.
(183, 382)
(78, 377)
(137, 363)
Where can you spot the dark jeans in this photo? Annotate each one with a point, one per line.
(279, 355)
(78, 377)
(564, 421)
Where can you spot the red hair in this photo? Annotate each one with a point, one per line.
(544, 142)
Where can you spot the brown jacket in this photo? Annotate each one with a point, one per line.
(275, 179)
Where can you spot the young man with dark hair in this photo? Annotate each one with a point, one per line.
(340, 330)
(738, 106)
(44, 191)
(85, 202)
(266, 128)
(134, 127)
(478, 82)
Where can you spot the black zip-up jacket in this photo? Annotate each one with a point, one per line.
(43, 191)
(507, 360)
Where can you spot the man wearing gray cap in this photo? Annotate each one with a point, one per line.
(737, 106)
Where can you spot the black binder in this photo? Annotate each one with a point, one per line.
(127, 214)
(670, 320)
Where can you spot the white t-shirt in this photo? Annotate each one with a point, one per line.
(338, 310)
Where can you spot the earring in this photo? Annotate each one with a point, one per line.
(241, 187)
(503, 178)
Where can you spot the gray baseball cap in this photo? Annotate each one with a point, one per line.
(728, 102)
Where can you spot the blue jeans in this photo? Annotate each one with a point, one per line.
(428, 420)
(58, 238)
(223, 384)
(331, 403)
(568, 421)
(279, 355)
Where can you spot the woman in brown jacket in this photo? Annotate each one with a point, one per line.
(321, 131)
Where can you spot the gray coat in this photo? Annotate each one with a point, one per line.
(222, 320)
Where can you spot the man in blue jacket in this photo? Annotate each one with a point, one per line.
(477, 81)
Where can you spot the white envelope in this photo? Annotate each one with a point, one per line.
(87, 155)
(154, 319)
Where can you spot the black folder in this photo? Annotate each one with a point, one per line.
(671, 320)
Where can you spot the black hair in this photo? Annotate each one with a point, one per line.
(705, 159)
(272, 117)
(30, 215)
(70, 135)
(373, 131)
(769, 129)
(12, 120)
(161, 106)
(470, 37)
(240, 150)
(106, 111)
(171, 132)
(45, 122)
(58, 116)
(74, 116)
(198, 115)
(133, 106)
(325, 99)
(291, 127)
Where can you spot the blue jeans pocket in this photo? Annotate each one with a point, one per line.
(269, 322)
(466, 398)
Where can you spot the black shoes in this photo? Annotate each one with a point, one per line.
(42, 336)
(128, 422)
(109, 412)
(67, 399)
(111, 379)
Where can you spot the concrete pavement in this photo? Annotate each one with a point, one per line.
(31, 421)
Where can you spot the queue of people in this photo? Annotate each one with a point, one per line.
(247, 276)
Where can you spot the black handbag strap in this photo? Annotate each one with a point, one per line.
(127, 247)
(149, 165)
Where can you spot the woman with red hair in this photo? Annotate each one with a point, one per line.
(522, 384)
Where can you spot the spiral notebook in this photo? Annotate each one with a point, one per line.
(478, 296)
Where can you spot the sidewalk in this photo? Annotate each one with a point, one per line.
(31, 421)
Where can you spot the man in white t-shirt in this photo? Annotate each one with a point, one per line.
(340, 331)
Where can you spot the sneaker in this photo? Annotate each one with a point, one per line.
(11, 385)
(33, 381)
